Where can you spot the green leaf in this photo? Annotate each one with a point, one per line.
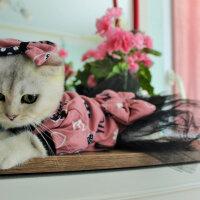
(120, 67)
(152, 51)
(83, 75)
(101, 68)
(144, 77)
(145, 72)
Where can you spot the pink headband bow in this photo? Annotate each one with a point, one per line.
(38, 52)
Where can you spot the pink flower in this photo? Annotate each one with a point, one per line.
(115, 56)
(98, 53)
(130, 59)
(148, 62)
(133, 67)
(139, 56)
(91, 81)
(63, 53)
(148, 42)
(104, 25)
(120, 40)
(101, 50)
(114, 12)
(138, 41)
(68, 70)
(88, 54)
(142, 57)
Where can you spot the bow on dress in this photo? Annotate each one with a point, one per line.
(123, 106)
(38, 52)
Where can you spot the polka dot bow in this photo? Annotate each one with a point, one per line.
(38, 52)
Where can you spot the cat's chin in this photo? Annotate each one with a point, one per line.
(8, 125)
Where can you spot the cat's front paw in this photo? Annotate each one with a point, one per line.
(8, 159)
(4, 135)
(18, 149)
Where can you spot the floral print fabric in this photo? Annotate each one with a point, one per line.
(80, 122)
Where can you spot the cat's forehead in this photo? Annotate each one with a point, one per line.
(13, 64)
(17, 75)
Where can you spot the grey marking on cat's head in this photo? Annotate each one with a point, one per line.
(20, 76)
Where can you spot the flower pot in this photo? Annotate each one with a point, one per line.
(120, 82)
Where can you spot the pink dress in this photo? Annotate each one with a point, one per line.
(80, 123)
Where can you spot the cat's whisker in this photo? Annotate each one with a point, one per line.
(41, 132)
(45, 127)
(70, 146)
(42, 126)
(53, 154)
(49, 130)
(44, 138)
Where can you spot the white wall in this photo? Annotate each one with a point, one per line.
(158, 25)
(75, 45)
(68, 23)
(75, 17)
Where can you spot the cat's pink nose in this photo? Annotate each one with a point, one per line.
(11, 117)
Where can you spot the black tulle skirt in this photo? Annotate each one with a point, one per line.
(175, 124)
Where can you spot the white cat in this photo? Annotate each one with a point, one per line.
(28, 94)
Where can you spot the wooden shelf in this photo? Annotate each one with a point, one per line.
(103, 160)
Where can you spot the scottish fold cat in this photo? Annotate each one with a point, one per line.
(28, 95)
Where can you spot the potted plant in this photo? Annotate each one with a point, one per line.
(120, 62)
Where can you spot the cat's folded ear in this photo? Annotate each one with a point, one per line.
(54, 60)
(53, 65)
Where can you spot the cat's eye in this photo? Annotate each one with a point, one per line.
(2, 97)
(29, 98)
